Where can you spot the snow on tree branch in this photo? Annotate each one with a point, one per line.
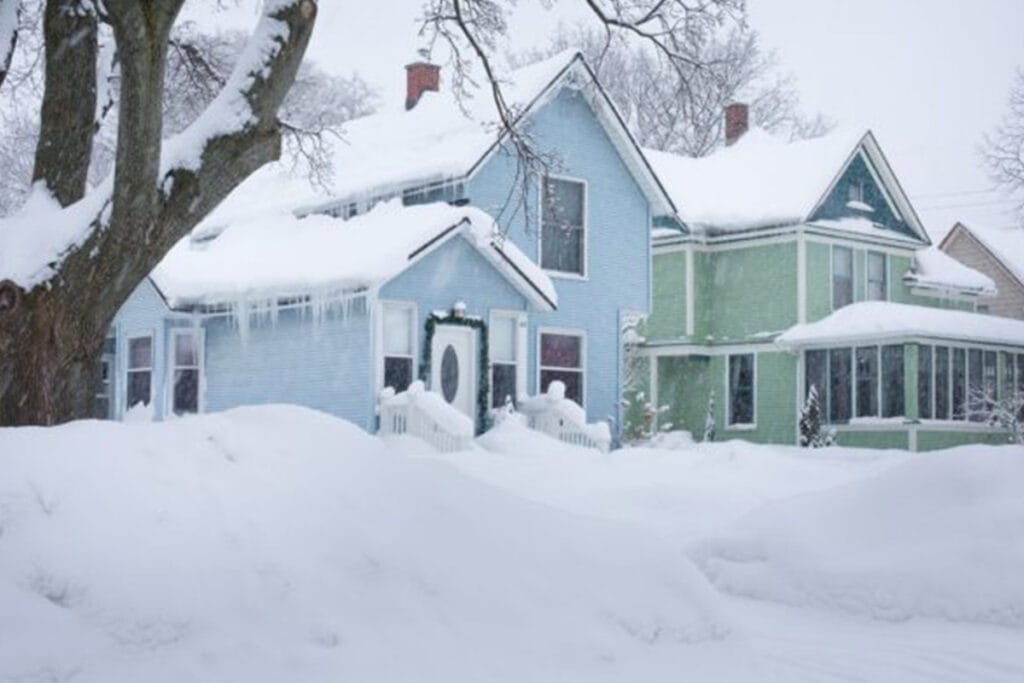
(10, 11)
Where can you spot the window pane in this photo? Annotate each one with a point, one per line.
(842, 277)
(503, 339)
(892, 381)
(186, 350)
(877, 276)
(840, 361)
(138, 388)
(1006, 383)
(924, 381)
(503, 383)
(573, 381)
(186, 391)
(975, 390)
(989, 383)
(397, 373)
(562, 226)
(398, 331)
(867, 381)
(816, 371)
(560, 351)
(1020, 372)
(140, 352)
(941, 383)
(959, 384)
(741, 389)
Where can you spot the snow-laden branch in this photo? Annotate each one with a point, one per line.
(9, 16)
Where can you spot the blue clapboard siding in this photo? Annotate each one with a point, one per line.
(453, 272)
(618, 245)
(323, 364)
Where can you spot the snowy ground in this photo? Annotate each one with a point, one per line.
(276, 543)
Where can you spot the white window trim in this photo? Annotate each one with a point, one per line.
(575, 332)
(141, 334)
(740, 426)
(520, 319)
(586, 228)
(401, 305)
(867, 277)
(172, 365)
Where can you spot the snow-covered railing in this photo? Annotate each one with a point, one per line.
(562, 418)
(425, 415)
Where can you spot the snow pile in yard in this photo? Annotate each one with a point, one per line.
(279, 255)
(757, 181)
(280, 544)
(941, 536)
(874, 321)
(934, 268)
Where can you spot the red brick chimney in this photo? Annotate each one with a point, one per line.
(420, 77)
(737, 120)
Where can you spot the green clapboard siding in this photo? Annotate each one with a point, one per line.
(744, 294)
(819, 284)
(668, 312)
(934, 440)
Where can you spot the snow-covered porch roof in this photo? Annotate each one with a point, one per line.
(280, 256)
(935, 270)
(884, 321)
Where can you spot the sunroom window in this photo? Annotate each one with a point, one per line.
(563, 226)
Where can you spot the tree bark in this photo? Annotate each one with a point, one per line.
(51, 338)
(68, 116)
(10, 14)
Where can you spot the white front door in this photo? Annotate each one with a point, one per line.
(453, 366)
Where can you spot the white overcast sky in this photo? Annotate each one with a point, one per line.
(929, 77)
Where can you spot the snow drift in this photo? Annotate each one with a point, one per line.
(277, 543)
(940, 536)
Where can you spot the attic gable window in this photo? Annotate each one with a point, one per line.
(563, 226)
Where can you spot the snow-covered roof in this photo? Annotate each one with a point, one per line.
(279, 255)
(877, 321)
(1005, 244)
(440, 139)
(933, 268)
(760, 181)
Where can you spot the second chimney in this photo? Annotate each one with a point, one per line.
(419, 78)
(737, 120)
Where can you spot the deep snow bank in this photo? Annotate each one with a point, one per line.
(276, 543)
(940, 536)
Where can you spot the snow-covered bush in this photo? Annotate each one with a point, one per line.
(1006, 412)
(639, 418)
(811, 433)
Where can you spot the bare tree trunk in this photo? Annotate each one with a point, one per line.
(51, 336)
(68, 116)
(10, 13)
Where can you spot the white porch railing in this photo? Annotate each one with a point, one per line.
(425, 415)
(562, 418)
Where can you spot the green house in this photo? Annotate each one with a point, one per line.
(804, 263)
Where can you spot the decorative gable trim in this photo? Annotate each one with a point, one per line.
(888, 184)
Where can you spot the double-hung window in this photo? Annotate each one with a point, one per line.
(561, 359)
(563, 239)
(399, 345)
(842, 277)
(105, 381)
(504, 353)
(877, 276)
(139, 384)
(742, 380)
(185, 373)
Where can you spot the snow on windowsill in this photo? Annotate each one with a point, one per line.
(859, 206)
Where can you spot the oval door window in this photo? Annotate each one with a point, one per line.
(449, 373)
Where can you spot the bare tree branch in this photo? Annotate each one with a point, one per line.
(1003, 150)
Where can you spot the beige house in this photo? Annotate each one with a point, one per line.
(998, 253)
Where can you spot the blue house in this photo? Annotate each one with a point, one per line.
(433, 254)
